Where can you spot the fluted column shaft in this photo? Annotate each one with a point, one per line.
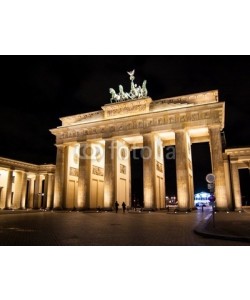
(109, 174)
(23, 191)
(84, 176)
(48, 191)
(218, 168)
(236, 186)
(9, 189)
(149, 171)
(182, 175)
(59, 177)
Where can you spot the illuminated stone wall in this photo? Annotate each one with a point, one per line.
(123, 173)
(24, 185)
(142, 123)
(235, 159)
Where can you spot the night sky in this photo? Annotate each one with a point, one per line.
(37, 90)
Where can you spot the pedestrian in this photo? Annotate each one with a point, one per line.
(134, 204)
(123, 207)
(116, 206)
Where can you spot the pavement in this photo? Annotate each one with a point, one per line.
(234, 226)
(48, 228)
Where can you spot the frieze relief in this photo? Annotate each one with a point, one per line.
(73, 172)
(122, 169)
(159, 166)
(97, 171)
(126, 110)
(143, 123)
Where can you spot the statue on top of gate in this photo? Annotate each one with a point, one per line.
(136, 92)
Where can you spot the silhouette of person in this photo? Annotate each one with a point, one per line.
(123, 207)
(134, 204)
(116, 206)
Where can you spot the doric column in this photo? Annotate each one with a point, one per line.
(160, 173)
(149, 171)
(84, 176)
(19, 177)
(23, 191)
(218, 167)
(31, 193)
(109, 173)
(48, 191)
(236, 185)
(59, 177)
(182, 175)
(129, 179)
(37, 192)
(9, 189)
(228, 181)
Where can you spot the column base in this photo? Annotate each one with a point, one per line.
(57, 208)
(7, 208)
(107, 209)
(222, 209)
(146, 209)
(79, 209)
(184, 209)
(238, 209)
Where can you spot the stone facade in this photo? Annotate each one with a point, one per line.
(93, 167)
(114, 131)
(235, 159)
(24, 185)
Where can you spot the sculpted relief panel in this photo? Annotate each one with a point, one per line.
(143, 123)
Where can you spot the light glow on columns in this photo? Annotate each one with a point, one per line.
(107, 196)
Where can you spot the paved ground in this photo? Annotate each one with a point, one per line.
(77, 228)
(230, 226)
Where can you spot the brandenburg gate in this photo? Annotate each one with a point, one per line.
(93, 167)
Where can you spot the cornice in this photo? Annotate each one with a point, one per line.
(27, 167)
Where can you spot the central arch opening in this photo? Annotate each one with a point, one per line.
(136, 178)
(170, 175)
(244, 175)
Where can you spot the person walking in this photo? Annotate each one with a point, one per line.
(116, 206)
(123, 207)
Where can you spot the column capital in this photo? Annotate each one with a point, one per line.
(180, 130)
(20, 171)
(110, 139)
(151, 134)
(82, 143)
(60, 146)
(234, 161)
(49, 173)
(214, 126)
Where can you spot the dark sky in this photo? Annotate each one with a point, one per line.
(37, 90)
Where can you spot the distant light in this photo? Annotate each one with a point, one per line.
(227, 212)
(240, 211)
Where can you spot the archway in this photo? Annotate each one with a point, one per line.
(244, 175)
(136, 179)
